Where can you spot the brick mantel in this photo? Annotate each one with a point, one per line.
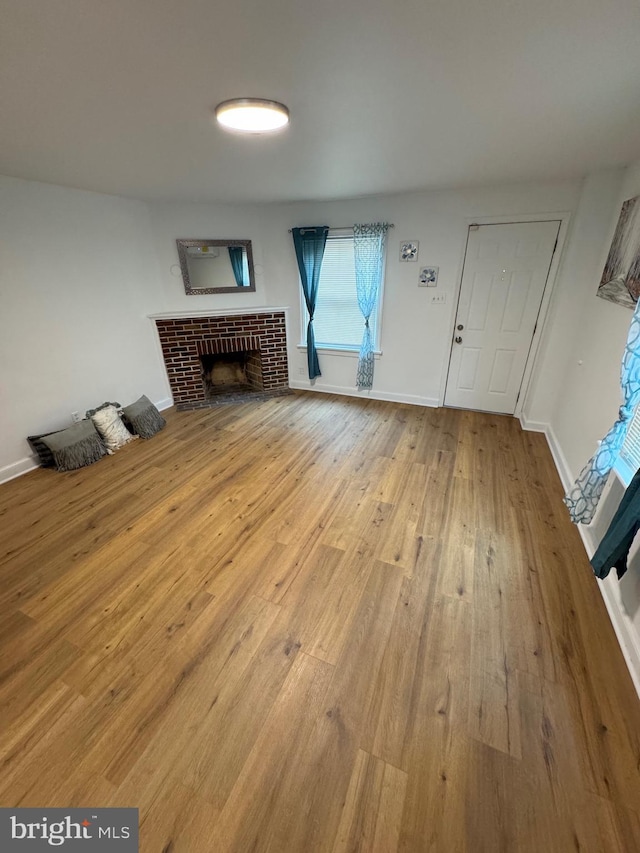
(184, 337)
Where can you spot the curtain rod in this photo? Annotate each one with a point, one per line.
(344, 227)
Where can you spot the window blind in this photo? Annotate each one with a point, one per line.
(629, 456)
(337, 320)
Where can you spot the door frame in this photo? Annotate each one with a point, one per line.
(564, 218)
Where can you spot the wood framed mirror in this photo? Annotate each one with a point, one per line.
(216, 266)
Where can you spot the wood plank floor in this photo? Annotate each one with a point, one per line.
(316, 624)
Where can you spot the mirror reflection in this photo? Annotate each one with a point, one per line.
(216, 266)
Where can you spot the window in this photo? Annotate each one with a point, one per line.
(338, 322)
(628, 461)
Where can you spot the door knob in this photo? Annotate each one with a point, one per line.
(458, 340)
(460, 327)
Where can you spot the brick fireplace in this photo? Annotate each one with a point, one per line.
(187, 342)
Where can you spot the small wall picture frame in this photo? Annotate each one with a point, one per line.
(428, 277)
(409, 250)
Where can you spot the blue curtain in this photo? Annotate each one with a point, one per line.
(368, 246)
(583, 498)
(235, 256)
(309, 244)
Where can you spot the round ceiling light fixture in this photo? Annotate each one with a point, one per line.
(252, 115)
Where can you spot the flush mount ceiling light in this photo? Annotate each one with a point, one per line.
(252, 115)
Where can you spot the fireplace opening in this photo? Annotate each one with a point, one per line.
(231, 373)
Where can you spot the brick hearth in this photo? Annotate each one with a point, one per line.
(184, 339)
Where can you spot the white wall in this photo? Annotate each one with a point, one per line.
(577, 386)
(77, 278)
(415, 334)
(559, 383)
(171, 221)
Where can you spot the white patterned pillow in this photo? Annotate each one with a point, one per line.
(110, 426)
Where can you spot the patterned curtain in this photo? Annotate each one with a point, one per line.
(368, 246)
(583, 498)
(309, 244)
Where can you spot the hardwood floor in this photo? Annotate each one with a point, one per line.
(316, 624)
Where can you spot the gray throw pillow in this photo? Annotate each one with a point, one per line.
(40, 448)
(143, 418)
(76, 446)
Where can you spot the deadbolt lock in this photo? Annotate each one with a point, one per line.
(460, 327)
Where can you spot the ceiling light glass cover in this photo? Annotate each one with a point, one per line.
(252, 115)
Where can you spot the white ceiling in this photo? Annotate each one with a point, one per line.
(115, 96)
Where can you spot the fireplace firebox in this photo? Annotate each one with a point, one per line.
(226, 373)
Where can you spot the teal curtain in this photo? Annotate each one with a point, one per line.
(582, 500)
(235, 256)
(368, 245)
(309, 244)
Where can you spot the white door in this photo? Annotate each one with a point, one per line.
(505, 273)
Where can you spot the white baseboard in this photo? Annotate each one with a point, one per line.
(533, 426)
(626, 633)
(622, 624)
(17, 469)
(562, 466)
(345, 391)
(164, 404)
